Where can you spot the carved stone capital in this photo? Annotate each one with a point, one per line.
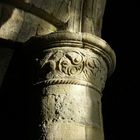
(74, 58)
(78, 66)
(72, 70)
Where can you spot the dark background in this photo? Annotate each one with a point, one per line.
(120, 97)
(121, 94)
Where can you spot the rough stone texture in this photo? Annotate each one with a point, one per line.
(37, 17)
(19, 26)
(73, 64)
(92, 16)
(72, 70)
(71, 15)
(67, 109)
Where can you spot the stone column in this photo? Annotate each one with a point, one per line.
(73, 63)
(73, 68)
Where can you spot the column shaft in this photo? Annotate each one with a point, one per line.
(73, 68)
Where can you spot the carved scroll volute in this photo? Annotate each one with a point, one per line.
(72, 63)
(73, 66)
(72, 71)
(74, 58)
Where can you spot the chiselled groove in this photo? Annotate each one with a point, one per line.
(72, 71)
(66, 44)
(68, 81)
(36, 11)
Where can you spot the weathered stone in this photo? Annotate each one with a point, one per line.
(73, 63)
(19, 25)
(71, 15)
(73, 68)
